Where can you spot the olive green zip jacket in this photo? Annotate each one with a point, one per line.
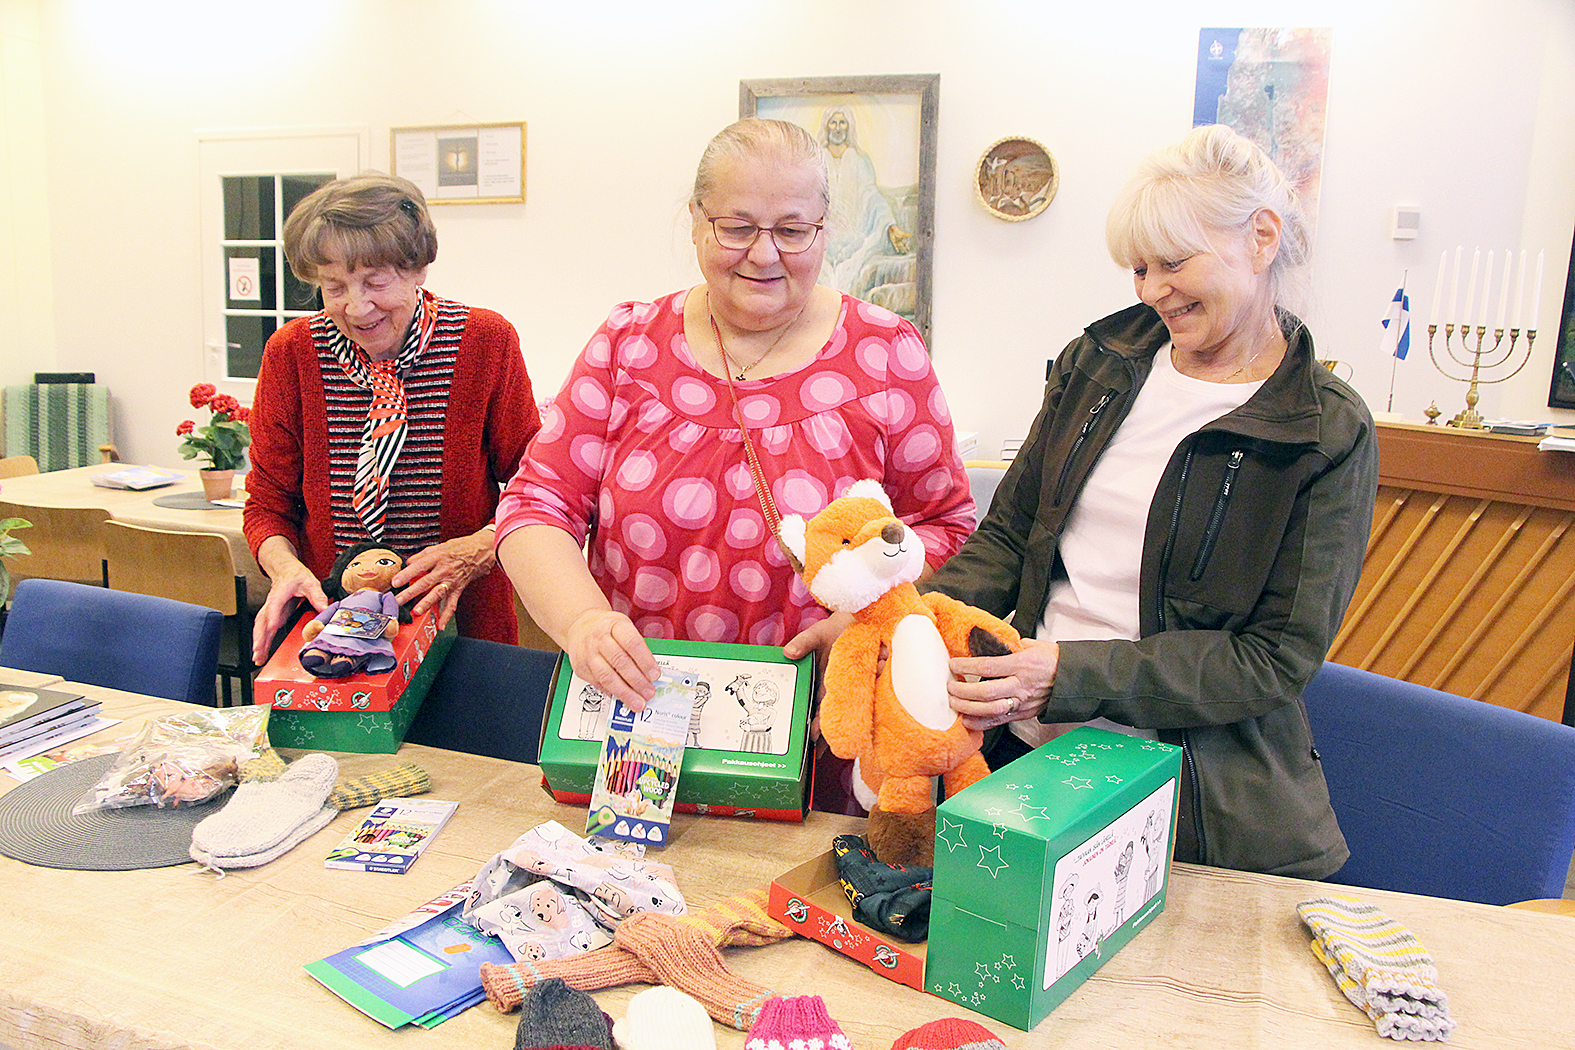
(1254, 543)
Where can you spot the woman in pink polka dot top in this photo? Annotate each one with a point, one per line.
(642, 456)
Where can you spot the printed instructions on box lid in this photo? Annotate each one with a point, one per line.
(1107, 880)
(637, 773)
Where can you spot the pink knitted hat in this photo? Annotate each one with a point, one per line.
(949, 1033)
(799, 1023)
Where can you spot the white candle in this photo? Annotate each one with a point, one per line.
(1471, 289)
(1487, 291)
(1520, 288)
(1503, 297)
(1536, 295)
(1454, 288)
(1438, 289)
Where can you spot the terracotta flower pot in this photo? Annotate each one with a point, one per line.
(217, 484)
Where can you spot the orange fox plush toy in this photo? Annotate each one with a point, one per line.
(895, 718)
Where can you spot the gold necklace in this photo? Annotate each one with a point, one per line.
(727, 360)
(1244, 367)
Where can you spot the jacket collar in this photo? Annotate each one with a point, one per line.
(1285, 410)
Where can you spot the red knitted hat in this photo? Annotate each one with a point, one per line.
(949, 1033)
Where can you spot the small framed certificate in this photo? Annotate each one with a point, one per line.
(462, 163)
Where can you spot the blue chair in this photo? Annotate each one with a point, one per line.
(1442, 795)
(487, 699)
(117, 639)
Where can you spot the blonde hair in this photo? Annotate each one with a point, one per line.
(369, 219)
(758, 137)
(1184, 199)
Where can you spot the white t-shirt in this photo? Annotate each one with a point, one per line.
(1102, 542)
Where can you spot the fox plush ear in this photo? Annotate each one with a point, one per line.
(868, 488)
(792, 534)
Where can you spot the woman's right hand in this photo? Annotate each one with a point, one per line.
(290, 580)
(606, 650)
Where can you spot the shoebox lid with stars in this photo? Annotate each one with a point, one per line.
(363, 713)
(1046, 868)
(747, 752)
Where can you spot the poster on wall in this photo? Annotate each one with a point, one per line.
(1271, 85)
(878, 135)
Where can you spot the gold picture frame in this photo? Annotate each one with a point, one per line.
(462, 163)
(1016, 179)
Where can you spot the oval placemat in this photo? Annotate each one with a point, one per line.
(186, 501)
(38, 827)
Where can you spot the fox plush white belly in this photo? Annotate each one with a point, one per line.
(893, 717)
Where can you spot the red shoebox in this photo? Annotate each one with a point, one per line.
(287, 686)
(809, 901)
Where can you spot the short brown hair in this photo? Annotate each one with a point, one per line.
(369, 219)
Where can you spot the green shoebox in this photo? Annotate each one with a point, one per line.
(746, 754)
(1046, 868)
(363, 732)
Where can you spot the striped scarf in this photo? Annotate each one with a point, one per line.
(387, 420)
(415, 487)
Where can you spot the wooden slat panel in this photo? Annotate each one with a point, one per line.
(1469, 581)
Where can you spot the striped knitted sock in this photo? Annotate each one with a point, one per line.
(399, 781)
(739, 920)
(1380, 966)
(949, 1033)
(683, 957)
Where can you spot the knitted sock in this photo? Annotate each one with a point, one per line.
(949, 1033)
(739, 920)
(664, 1018)
(1379, 966)
(893, 898)
(797, 1023)
(682, 956)
(266, 818)
(553, 1015)
(399, 781)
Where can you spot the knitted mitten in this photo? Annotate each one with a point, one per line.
(553, 1015)
(740, 920)
(664, 1018)
(265, 819)
(798, 1023)
(1379, 966)
(949, 1033)
(399, 781)
(267, 766)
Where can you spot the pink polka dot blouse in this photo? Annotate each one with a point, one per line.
(640, 452)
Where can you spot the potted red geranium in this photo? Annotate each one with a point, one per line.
(222, 441)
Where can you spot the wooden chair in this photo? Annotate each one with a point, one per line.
(67, 543)
(17, 466)
(193, 567)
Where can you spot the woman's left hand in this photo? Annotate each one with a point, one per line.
(1011, 688)
(439, 574)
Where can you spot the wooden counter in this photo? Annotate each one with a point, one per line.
(1469, 581)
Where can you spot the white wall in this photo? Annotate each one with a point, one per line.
(1464, 108)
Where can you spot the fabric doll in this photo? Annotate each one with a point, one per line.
(354, 633)
(894, 718)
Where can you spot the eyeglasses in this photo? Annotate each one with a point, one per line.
(736, 234)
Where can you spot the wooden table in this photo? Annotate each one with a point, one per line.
(175, 957)
(73, 488)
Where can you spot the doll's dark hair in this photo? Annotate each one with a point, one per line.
(335, 589)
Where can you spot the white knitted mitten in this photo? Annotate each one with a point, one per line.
(266, 819)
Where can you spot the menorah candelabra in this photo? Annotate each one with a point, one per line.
(1496, 363)
(1477, 360)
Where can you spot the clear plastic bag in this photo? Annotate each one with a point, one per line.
(183, 759)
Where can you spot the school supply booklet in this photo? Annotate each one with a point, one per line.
(422, 969)
(392, 836)
(637, 774)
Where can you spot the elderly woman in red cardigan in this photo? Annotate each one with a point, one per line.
(393, 415)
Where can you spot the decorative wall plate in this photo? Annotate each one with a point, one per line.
(1016, 179)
